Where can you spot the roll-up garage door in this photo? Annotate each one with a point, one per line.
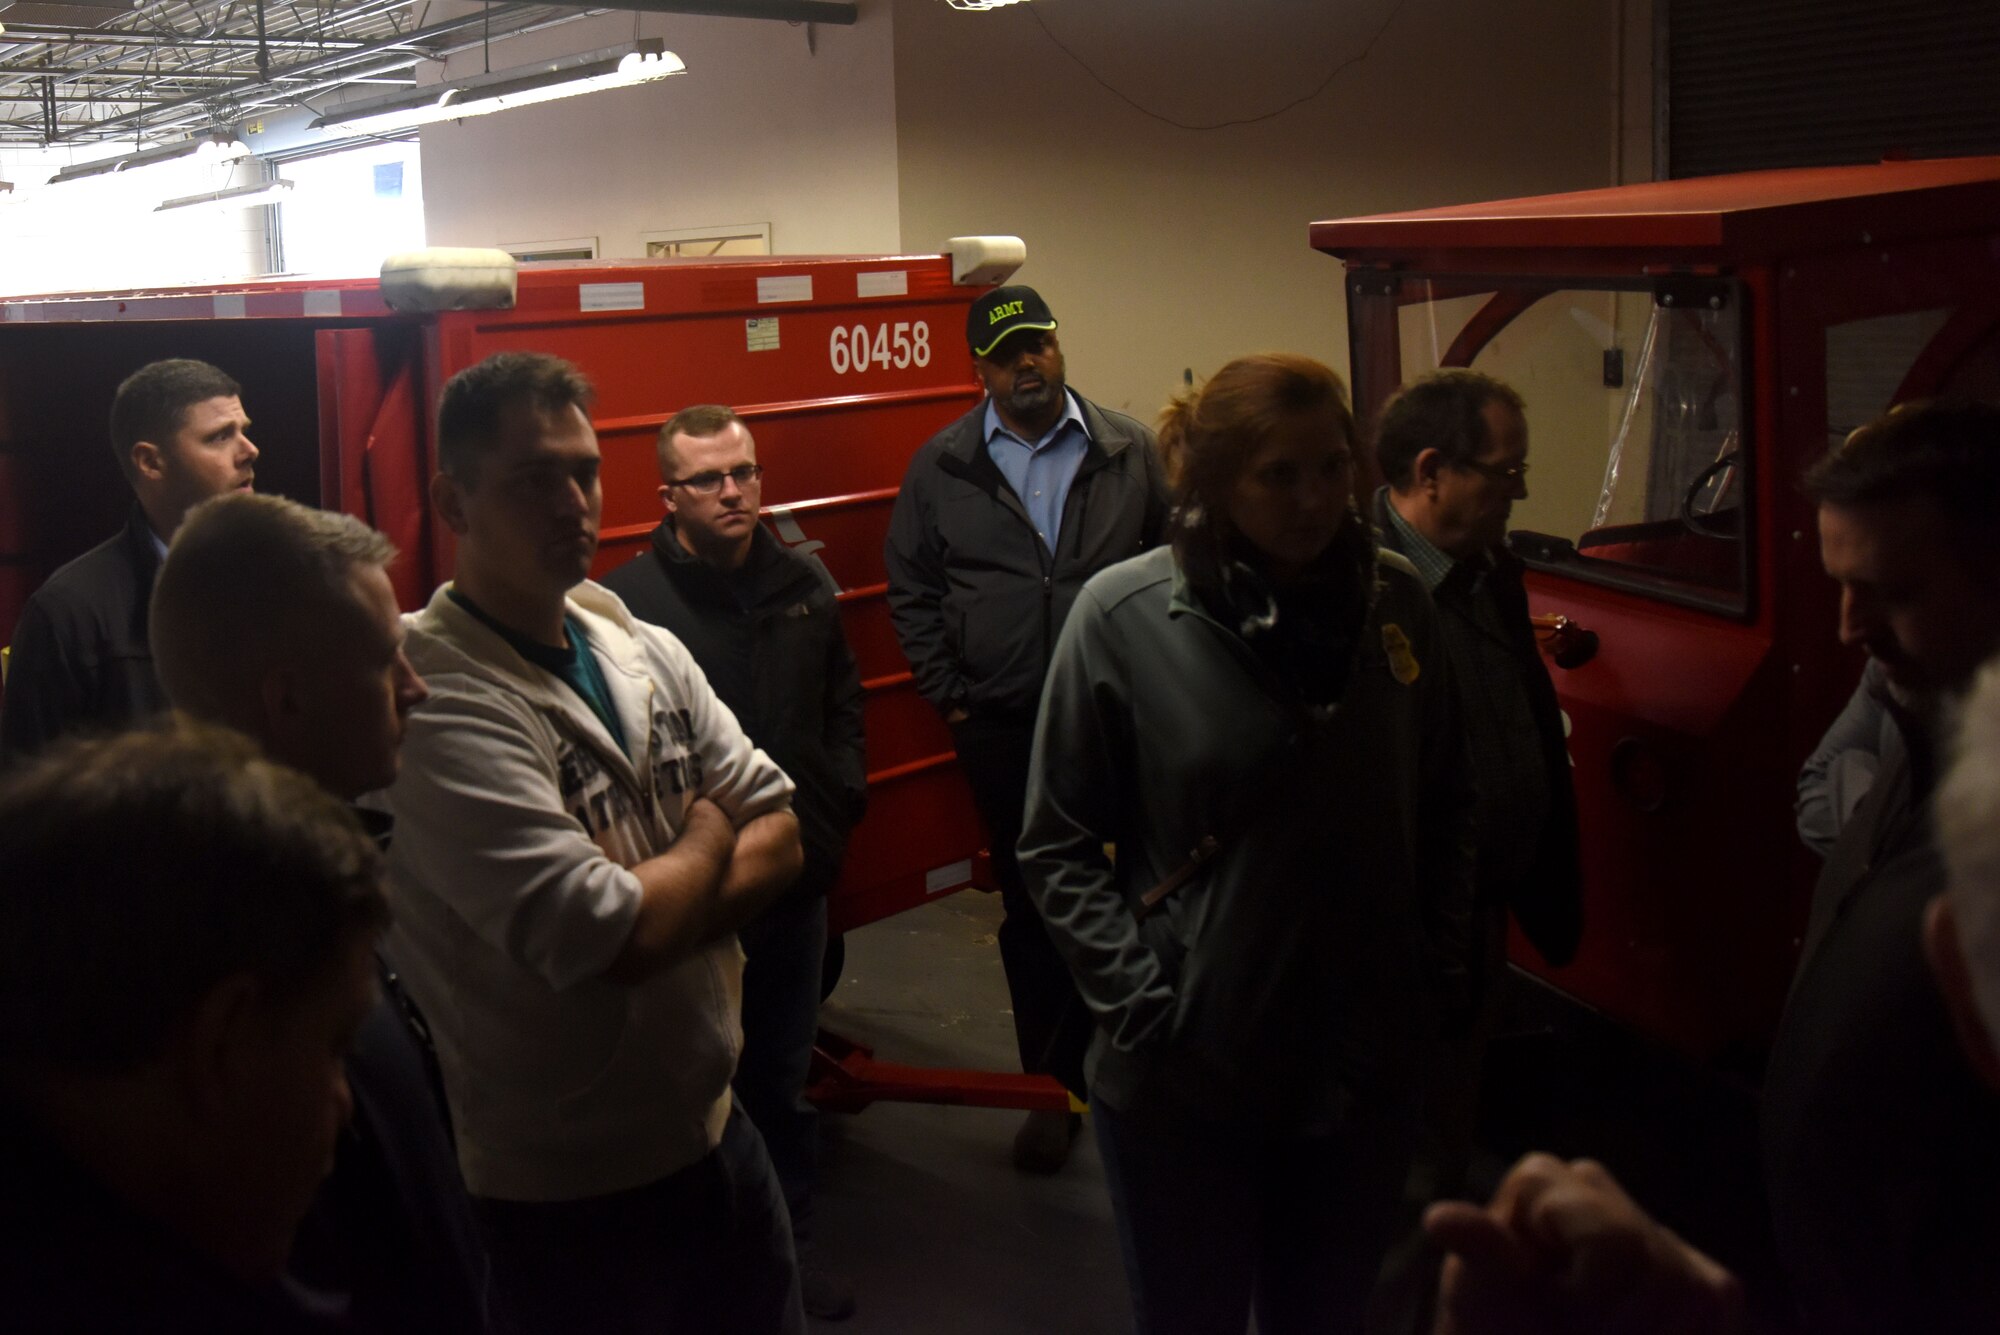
(1750, 84)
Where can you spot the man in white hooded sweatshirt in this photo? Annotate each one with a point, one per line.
(581, 826)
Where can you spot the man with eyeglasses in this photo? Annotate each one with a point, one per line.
(1453, 451)
(763, 625)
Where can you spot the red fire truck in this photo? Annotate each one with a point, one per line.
(1686, 350)
(842, 366)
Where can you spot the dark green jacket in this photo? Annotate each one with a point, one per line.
(1302, 969)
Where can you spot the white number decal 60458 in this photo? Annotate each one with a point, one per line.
(900, 345)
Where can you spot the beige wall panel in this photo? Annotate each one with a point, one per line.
(759, 130)
(1162, 248)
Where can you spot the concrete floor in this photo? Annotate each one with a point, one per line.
(919, 1205)
(921, 1209)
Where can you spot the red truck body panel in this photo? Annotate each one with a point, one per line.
(841, 365)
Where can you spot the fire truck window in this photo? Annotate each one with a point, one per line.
(1867, 360)
(1634, 409)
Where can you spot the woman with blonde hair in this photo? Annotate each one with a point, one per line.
(1248, 831)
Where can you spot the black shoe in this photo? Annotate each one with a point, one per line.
(828, 1296)
(1042, 1144)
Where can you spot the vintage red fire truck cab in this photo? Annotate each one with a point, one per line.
(1686, 350)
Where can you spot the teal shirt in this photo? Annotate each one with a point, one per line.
(575, 666)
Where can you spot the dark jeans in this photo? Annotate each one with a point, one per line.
(1213, 1218)
(706, 1250)
(785, 947)
(1052, 1026)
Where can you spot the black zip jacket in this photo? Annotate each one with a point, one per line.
(80, 659)
(1548, 900)
(768, 638)
(976, 597)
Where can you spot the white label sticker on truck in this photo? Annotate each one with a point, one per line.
(229, 306)
(792, 287)
(859, 347)
(611, 296)
(760, 333)
(323, 301)
(884, 283)
(948, 877)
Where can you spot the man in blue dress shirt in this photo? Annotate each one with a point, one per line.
(1002, 517)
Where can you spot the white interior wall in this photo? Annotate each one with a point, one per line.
(104, 232)
(1163, 249)
(761, 129)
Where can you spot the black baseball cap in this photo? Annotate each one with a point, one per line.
(1001, 312)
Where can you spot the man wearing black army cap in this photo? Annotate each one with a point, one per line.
(1002, 517)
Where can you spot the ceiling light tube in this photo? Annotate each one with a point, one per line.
(237, 197)
(977, 5)
(647, 61)
(202, 148)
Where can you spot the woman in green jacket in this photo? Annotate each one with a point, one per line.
(1271, 693)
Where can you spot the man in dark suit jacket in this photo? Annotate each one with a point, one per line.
(279, 621)
(1881, 1146)
(80, 658)
(1453, 447)
(1882, 1100)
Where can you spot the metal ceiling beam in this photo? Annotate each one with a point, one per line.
(788, 11)
(12, 72)
(58, 33)
(401, 41)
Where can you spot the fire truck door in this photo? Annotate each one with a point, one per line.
(374, 442)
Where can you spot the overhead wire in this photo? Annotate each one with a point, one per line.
(1132, 102)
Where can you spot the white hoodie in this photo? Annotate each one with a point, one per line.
(517, 816)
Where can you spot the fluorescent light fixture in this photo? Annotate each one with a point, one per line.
(976, 5)
(238, 197)
(202, 148)
(646, 61)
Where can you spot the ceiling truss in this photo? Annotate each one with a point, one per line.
(174, 67)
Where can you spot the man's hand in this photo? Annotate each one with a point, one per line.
(679, 893)
(956, 715)
(1561, 1248)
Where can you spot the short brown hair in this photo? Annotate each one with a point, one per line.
(247, 577)
(1443, 411)
(703, 419)
(138, 872)
(1946, 453)
(152, 403)
(476, 399)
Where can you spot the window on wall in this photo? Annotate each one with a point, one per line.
(576, 248)
(351, 210)
(700, 243)
(109, 232)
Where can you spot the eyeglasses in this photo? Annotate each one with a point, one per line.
(1511, 473)
(707, 484)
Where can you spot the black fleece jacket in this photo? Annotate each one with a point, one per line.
(768, 637)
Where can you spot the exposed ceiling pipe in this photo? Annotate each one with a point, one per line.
(440, 29)
(291, 84)
(788, 11)
(220, 67)
(58, 33)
